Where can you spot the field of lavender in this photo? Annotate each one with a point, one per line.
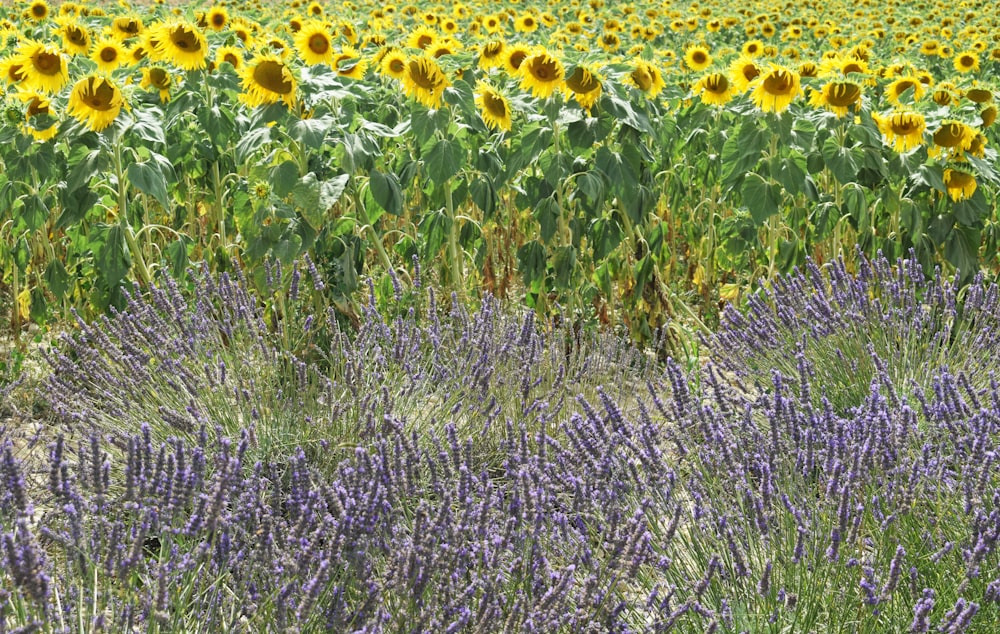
(214, 462)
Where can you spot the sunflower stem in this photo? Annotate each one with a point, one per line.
(454, 253)
(220, 209)
(130, 241)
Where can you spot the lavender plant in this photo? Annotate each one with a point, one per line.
(841, 327)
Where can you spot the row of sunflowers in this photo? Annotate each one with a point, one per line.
(811, 127)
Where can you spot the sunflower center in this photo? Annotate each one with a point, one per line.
(779, 83)
(642, 79)
(397, 66)
(423, 76)
(218, 20)
(37, 107)
(904, 124)
(750, 71)
(48, 63)
(319, 44)
(495, 105)
(159, 78)
(967, 61)
(100, 97)
(232, 59)
(903, 86)
(14, 73)
(979, 95)
(76, 35)
(989, 116)
(185, 39)
(424, 41)
(852, 67)
(270, 75)
(109, 54)
(543, 70)
(959, 180)
(39, 11)
(716, 83)
(582, 81)
(517, 58)
(492, 49)
(699, 57)
(843, 95)
(130, 27)
(949, 135)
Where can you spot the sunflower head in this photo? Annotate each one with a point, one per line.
(647, 78)
(952, 138)
(109, 55)
(349, 63)
(977, 94)
(425, 81)
(267, 79)
(39, 116)
(542, 74)
(157, 78)
(903, 86)
(182, 44)
(126, 26)
(491, 54)
(95, 101)
(714, 88)
(988, 115)
(75, 38)
(232, 55)
(314, 43)
(742, 71)
(217, 18)
(697, 58)
(37, 11)
(774, 90)
(515, 56)
(966, 61)
(903, 130)
(837, 96)
(960, 181)
(493, 107)
(43, 66)
(584, 86)
(393, 64)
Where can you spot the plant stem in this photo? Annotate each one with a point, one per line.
(130, 240)
(454, 253)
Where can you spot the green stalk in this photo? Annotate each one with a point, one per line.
(15, 305)
(361, 215)
(455, 261)
(220, 209)
(133, 245)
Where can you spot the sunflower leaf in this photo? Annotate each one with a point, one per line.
(761, 198)
(444, 160)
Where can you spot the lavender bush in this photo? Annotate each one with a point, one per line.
(686, 506)
(177, 364)
(845, 329)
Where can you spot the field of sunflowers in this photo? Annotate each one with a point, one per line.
(500, 316)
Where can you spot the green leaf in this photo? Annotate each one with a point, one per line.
(855, 202)
(33, 212)
(112, 259)
(177, 255)
(385, 189)
(760, 197)
(75, 205)
(484, 194)
(56, 278)
(605, 236)
(563, 264)
(250, 143)
(313, 198)
(148, 178)
(283, 178)
(546, 211)
(444, 160)
(910, 218)
(961, 249)
(311, 132)
(842, 161)
(88, 167)
(790, 174)
(434, 227)
(531, 263)
(972, 211)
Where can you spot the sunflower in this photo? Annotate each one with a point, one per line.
(137, 53)
(267, 79)
(95, 101)
(38, 10)
(808, 69)
(515, 56)
(646, 78)
(899, 87)
(493, 24)
(966, 62)
(742, 71)
(930, 47)
(960, 182)
(109, 55)
(837, 96)
(753, 48)
(697, 58)
(38, 113)
(609, 42)
(393, 64)
(526, 24)
(774, 90)
(232, 55)
(952, 138)
(159, 79)
(217, 18)
(988, 115)
(314, 43)
(75, 38)
(126, 26)
(43, 67)
(244, 33)
(715, 89)
(315, 9)
(978, 94)
(584, 86)
(424, 81)
(349, 63)
(542, 74)
(422, 37)
(491, 54)
(903, 130)
(978, 146)
(182, 44)
(11, 70)
(493, 107)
